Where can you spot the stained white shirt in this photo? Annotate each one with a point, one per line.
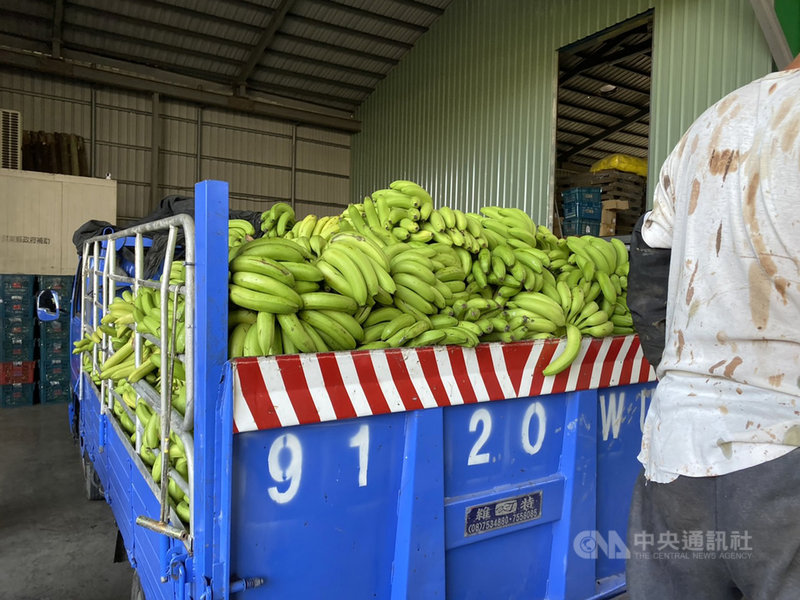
(728, 204)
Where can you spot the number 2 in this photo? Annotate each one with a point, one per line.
(361, 441)
(483, 417)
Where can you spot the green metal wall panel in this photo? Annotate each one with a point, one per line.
(469, 112)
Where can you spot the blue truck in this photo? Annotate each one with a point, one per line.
(412, 473)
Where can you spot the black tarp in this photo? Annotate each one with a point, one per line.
(169, 206)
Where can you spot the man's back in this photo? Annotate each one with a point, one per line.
(728, 204)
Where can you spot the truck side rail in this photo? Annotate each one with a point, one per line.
(99, 282)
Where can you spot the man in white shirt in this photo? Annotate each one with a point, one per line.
(715, 514)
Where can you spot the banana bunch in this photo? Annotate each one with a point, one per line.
(453, 227)
(239, 232)
(278, 220)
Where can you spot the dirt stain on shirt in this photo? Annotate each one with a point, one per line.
(723, 409)
(695, 195)
(790, 134)
(735, 362)
(760, 286)
(772, 87)
(723, 162)
(680, 343)
(690, 289)
(719, 237)
(782, 112)
(780, 286)
(716, 366)
(777, 379)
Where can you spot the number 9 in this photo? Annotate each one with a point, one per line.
(291, 473)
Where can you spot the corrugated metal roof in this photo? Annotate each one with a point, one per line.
(331, 53)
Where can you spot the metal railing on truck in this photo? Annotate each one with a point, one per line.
(99, 282)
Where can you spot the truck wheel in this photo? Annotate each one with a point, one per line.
(91, 481)
(137, 593)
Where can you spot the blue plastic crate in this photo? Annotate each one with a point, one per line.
(16, 394)
(580, 227)
(587, 210)
(584, 194)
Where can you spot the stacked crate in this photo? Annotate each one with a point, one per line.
(54, 346)
(622, 195)
(16, 340)
(582, 210)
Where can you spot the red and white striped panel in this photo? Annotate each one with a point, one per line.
(279, 391)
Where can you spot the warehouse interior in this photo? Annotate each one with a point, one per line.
(554, 114)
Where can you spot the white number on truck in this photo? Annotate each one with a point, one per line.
(482, 416)
(287, 443)
(536, 409)
(361, 441)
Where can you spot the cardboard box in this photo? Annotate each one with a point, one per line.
(611, 205)
(41, 211)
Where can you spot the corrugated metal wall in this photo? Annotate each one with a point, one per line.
(255, 155)
(469, 112)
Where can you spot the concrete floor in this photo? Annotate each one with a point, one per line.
(54, 544)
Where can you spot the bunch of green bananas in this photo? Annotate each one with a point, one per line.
(278, 220)
(141, 312)
(239, 232)
(394, 271)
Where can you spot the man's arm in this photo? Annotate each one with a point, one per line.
(648, 278)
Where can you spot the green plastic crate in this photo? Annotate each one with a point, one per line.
(58, 283)
(16, 328)
(13, 286)
(54, 392)
(16, 394)
(54, 369)
(16, 348)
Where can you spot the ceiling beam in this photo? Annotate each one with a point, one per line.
(195, 95)
(264, 40)
(370, 37)
(616, 84)
(622, 124)
(177, 31)
(168, 6)
(609, 59)
(58, 21)
(434, 10)
(605, 113)
(390, 62)
(365, 14)
(315, 79)
(325, 63)
(586, 94)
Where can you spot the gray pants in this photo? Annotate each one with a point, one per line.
(718, 538)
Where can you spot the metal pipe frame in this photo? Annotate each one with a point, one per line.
(164, 407)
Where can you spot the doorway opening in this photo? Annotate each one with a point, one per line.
(603, 129)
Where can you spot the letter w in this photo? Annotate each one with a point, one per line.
(611, 415)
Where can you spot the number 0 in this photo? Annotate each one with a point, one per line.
(482, 416)
(538, 410)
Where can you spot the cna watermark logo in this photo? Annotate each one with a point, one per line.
(592, 544)
(694, 545)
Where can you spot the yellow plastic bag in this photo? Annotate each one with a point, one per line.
(621, 162)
